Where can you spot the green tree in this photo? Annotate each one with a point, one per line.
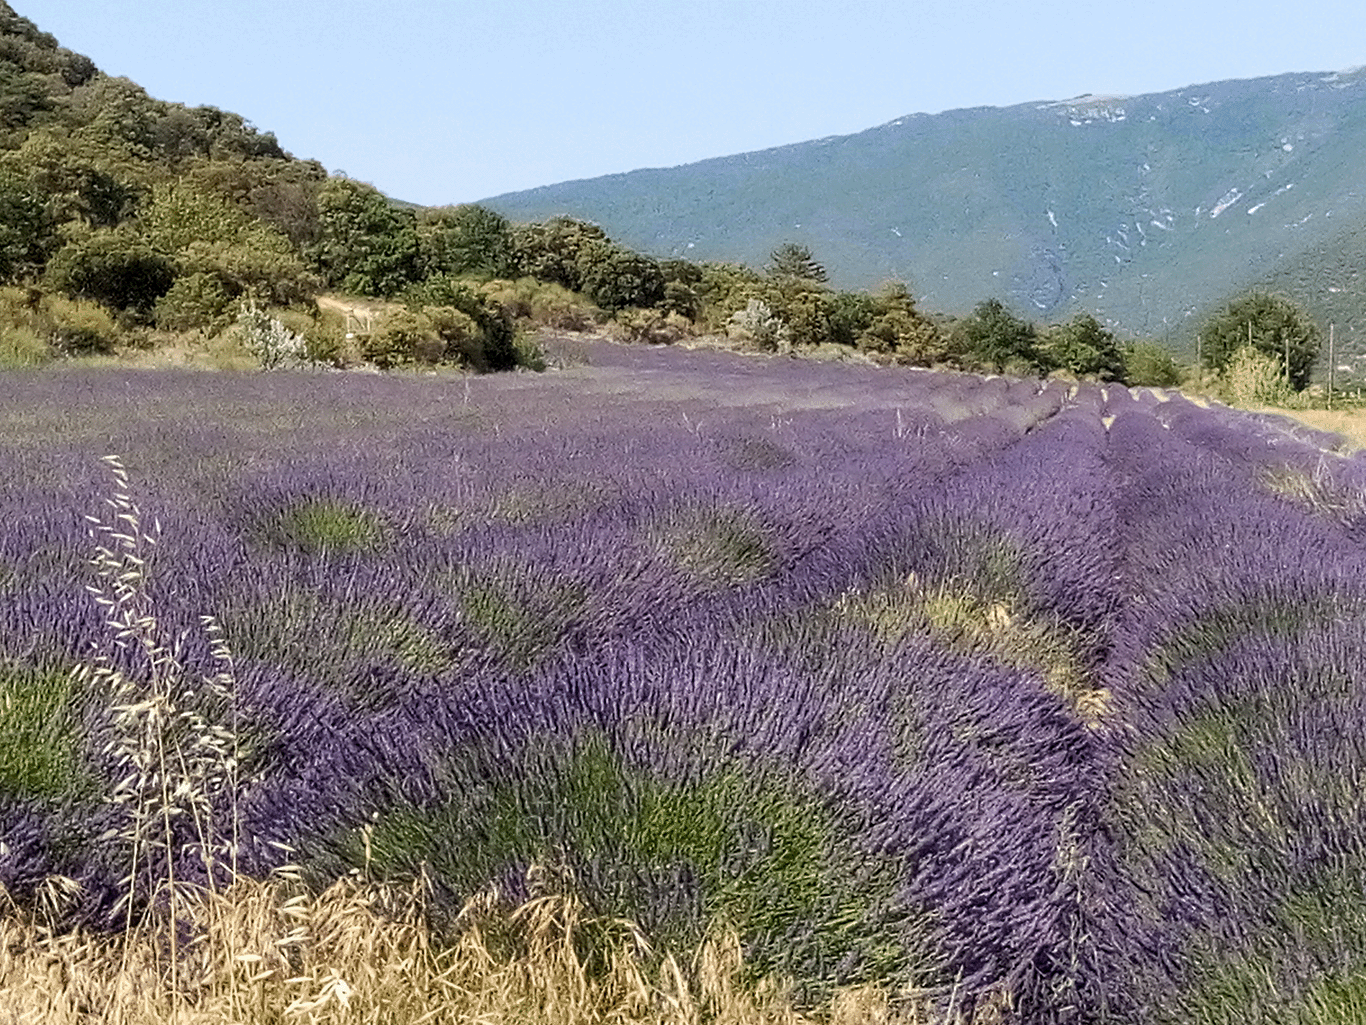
(614, 277)
(791, 260)
(28, 234)
(1084, 348)
(113, 267)
(1270, 324)
(900, 330)
(1148, 365)
(366, 244)
(467, 239)
(552, 250)
(994, 337)
(83, 181)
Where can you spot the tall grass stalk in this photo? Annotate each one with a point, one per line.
(174, 756)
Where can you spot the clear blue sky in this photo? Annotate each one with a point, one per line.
(445, 101)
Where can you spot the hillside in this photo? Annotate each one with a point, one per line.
(1143, 210)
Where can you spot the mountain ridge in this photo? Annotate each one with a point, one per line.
(1145, 210)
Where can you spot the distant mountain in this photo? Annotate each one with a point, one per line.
(1144, 210)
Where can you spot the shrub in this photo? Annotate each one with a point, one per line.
(615, 277)
(1148, 365)
(542, 304)
(652, 327)
(326, 341)
(805, 309)
(723, 289)
(1084, 348)
(459, 336)
(266, 338)
(22, 347)
(852, 314)
(401, 338)
(28, 233)
(79, 328)
(550, 250)
(994, 338)
(112, 267)
(196, 300)
(495, 327)
(366, 245)
(760, 326)
(52, 325)
(1252, 378)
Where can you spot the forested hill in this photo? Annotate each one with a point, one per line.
(1145, 210)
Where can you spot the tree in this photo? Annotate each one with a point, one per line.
(1084, 348)
(791, 260)
(994, 337)
(113, 267)
(551, 250)
(366, 244)
(1148, 365)
(614, 277)
(1271, 325)
(27, 232)
(467, 239)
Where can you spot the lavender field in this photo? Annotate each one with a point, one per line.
(1045, 697)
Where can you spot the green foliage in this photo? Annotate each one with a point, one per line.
(614, 277)
(283, 193)
(791, 260)
(24, 97)
(210, 237)
(366, 245)
(196, 300)
(1148, 365)
(1252, 378)
(467, 239)
(759, 326)
(1083, 348)
(28, 233)
(493, 345)
(401, 338)
(993, 337)
(113, 267)
(805, 307)
(897, 328)
(651, 327)
(321, 525)
(39, 326)
(542, 304)
(725, 289)
(580, 257)
(682, 279)
(81, 181)
(551, 250)
(1271, 325)
(851, 314)
(40, 757)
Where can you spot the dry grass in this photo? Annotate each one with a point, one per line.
(1351, 424)
(267, 952)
